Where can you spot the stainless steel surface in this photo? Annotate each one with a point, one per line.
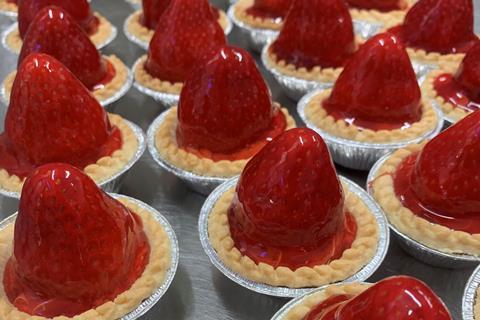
(199, 290)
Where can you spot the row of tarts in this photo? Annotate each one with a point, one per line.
(288, 223)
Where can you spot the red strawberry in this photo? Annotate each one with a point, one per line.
(75, 247)
(152, 10)
(55, 33)
(394, 298)
(316, 33)
(12, 1)
(377, 86)
(445, 178)
(187, 33)
(79, 9)
(53, 118)
(468, 74)
(432, 25)
(380, 5)
(288, 208)
(273, 9)
(225, 104)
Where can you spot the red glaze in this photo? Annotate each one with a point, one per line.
(53, 118)
(316, 33)
(75, 247)
(289, 205)
(379, 5)
(55, 33)
(468, 74)
(192, 27)
(394, 298)
(12, 1)
(225, 108)
(152, 10)
(79, 9)
(442, 183)
(378, 88)
(272, 9)
(433, 26)
(449, 89)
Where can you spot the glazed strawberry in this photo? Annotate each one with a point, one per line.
(433, 26)
(272, 9)
(225, 105)
(468, 74)
(152, 10)
(54, 32)
(288, 209)
(75, 247)
(378, 88)
(52, 117)
(192, 27)
(79, 9)
(398, 298)
(316, 33)
(380, 5)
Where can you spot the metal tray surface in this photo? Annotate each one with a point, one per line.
(199, 290)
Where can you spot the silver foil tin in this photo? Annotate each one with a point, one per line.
(172, 268)
(201, 184)
(470, 295)
(447, 120)
(282, 313)
(135, 4)
(354, 154)
(418, 250)
(257, 38)
(113, 183)
(9, 14)
(366, 29)
(14, 27)
(294, 87)
(165, 99)
(5, 98)
(144, 44)
(361, 275)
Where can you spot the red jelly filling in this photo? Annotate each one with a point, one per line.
(270, 9)
(449, 89)
(277, 126)
(403, 190)
(293, 257)
(327, 309)
(109, 75)
(17, 164)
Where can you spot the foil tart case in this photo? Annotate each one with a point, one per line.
(114, 182)
(149, 302)
(257, 38)
(294, 87)
(366, 29)
(470, 295)
(14, 27)
(135, 4)
(201, 184)
(418, 250)
(448, 121)
(144, 44)
(9, 14)
(355, 154)
(361, 275)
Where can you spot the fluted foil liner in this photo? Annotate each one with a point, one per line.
(113, 183)
(10, 14)
(470, 295)
(201, 184)
(354, 154)
(361, 275)
(366, 29)
(149, 302)
(257, 38)
(135, 4)
(14, 27)
(416, 249)
(448, 121)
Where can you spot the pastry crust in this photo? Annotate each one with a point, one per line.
(385, 18)
(240, 12)
(135, 28)
(423, 56)
(317, 115)
(166, 144)
(476, 306)
(152, 277)
(105, 29)
(307, 304)
(110, 89)
(352, 259)
(404, 220)
(145, 79)
(8, 6)
(448, 109)
(316, 74)
(103, 169)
